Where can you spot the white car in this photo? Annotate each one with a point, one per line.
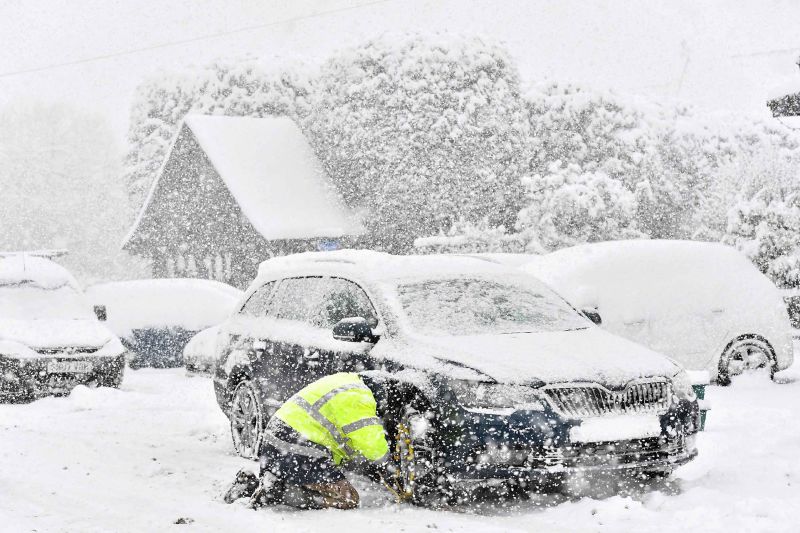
(156, 318)
(703, 304)
(50, 340)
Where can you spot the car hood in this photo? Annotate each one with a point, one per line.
(45, 334)
(590, 354)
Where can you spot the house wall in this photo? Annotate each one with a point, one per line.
(193, 227)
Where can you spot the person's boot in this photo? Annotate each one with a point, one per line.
(339, 495)
(243, 486)
(269, 492)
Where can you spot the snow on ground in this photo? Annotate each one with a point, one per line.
(140, 458)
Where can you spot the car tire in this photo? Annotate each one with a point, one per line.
(745, 355)
(247, 422)
(419, 476)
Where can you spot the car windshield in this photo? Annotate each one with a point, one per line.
(31, 302)
(472, 306)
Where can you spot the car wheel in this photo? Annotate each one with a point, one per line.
(246, 420)
(418, 477)
(743, 356)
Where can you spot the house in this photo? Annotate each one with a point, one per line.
(233, 192)
(784, 102)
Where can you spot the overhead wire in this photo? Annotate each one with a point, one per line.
(190, 40)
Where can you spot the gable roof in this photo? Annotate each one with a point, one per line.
(273, 175)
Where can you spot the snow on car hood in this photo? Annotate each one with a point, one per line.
(55, 333)
(590, 354)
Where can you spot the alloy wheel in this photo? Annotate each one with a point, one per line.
(745, 356)
(246, 421)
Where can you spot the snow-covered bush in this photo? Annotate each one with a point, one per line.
(421, 132)
(568, 206)
(238, 89)
(646, 148)
(764, 221)
(469, 237)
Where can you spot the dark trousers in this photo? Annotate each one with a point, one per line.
(293, 459)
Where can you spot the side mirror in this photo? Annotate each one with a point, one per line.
(592, 315)
(355, 329)
(100, 313)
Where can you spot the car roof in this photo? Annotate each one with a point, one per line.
(378, 266)
(160, 285)
(37, 271)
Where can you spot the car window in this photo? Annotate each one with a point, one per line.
(256, 305)
(464, 306)
(320, 302)
(297, 299)
(343, 299)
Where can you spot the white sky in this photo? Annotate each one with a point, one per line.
(720, 54)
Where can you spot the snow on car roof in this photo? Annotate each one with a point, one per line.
(380, 266)
(634, 277)
(273, 173)
(193, 304)
(22, 268)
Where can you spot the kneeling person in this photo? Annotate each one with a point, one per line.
(329, 422)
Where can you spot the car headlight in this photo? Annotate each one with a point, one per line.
(682, 386)
(484, 395)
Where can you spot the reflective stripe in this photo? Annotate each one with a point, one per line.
(382, 459)
(297, 449)
(324, 422)
(358, 424)
(328, 396)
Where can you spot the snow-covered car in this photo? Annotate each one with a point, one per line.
(200, 353)
(50, 339)
(491, 374)
(703, 304)
(156, 318)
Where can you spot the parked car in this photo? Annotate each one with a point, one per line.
(200, 354)
(50, 340)
(156, 318)
(703, 304)
(491, 374)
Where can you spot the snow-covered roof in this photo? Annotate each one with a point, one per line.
(381, 266)
(24, 268)
(783, 87)
(274, 175)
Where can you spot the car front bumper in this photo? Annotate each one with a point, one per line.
(536, 445)
(30, 378)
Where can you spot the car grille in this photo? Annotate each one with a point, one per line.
(592, 399)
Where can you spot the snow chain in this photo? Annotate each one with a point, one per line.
(404, 491)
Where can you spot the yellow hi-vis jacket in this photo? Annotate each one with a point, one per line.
(339, 413)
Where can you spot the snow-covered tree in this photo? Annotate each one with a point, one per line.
(61, 188)
(568, 206)
(764, 221)
(471, 237)
(650, 149)
(421, 132)
(223, 88)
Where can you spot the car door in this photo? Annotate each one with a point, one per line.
(298, 339)
(342, 298)
(245, 348)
